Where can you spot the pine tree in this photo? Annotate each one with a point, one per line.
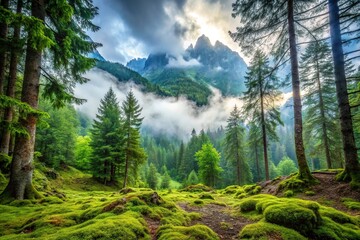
(254, 146)
(107, 139)
(234, 147)
(208, 159)
(272, 24)
(47, 28)
(321, 115)
(56, 141)
(260, 101)
(134, 154)
(152, 179)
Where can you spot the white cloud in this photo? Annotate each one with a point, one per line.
(179, 62)
(166, 115)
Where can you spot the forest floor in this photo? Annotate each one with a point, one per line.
(76, 207)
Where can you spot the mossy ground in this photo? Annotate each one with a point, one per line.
(77, 207)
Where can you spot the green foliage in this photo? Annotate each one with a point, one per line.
(152, 179)
(259, 100)
(166, 179)
(55, 140)
(248, 205)
(286, 167)
(107, 140)
(234, 148)
(208, 159)
(322, 126)
(83, 153)
(134, 154)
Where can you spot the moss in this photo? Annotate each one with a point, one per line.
(292, 216)
(231, 189)
(125, 226)
(51, 200)
(252, 189)
(198, 202)
(289, 193)
(297, 183)
(21, 203)
(248, 205)
(351, 203)
(309, 193)
(264, 230)
(225, 225)
(197, 188)
(332, 231)
(195, 232)
(336, 215)
(206, 196)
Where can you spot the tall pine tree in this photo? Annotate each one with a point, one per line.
(235, 149)
(321, 114)
(260, 101)
(272, 24)
(134, 154)
(107, 140)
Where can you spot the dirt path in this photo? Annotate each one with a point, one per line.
(153, 225)
(219, 219)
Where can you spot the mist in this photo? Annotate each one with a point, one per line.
(171, 116)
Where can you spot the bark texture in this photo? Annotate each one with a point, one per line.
(20, 184)
(352, 167)
(304, 171)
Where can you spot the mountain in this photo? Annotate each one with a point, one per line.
(124, 74)
(137, 65)
(200, 66)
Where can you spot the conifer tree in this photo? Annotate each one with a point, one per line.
(272, 24)
(107, 139)
(321, 114)
(46, 29)
(235, 149)
(152, 179)
(134, 154)
(260, 101)
(208, 159)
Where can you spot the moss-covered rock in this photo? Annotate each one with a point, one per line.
(195, 232)
(248, 205)
(264, 230)
(206, 196)
(292, 216)
(197, 188)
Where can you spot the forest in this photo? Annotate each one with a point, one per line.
(275, 170)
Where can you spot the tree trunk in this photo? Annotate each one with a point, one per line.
(304, 171)
(20, 184)
(263, 129)
(3, 35)
(352, 167)
(257, 163)
(322, 113)
(127, 160)
(237, 161)
(10, 92)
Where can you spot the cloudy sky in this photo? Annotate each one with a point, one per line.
(135, 28)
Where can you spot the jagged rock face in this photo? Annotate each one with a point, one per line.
(219, 67)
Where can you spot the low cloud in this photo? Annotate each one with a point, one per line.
(172, 116)
(180, 62)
